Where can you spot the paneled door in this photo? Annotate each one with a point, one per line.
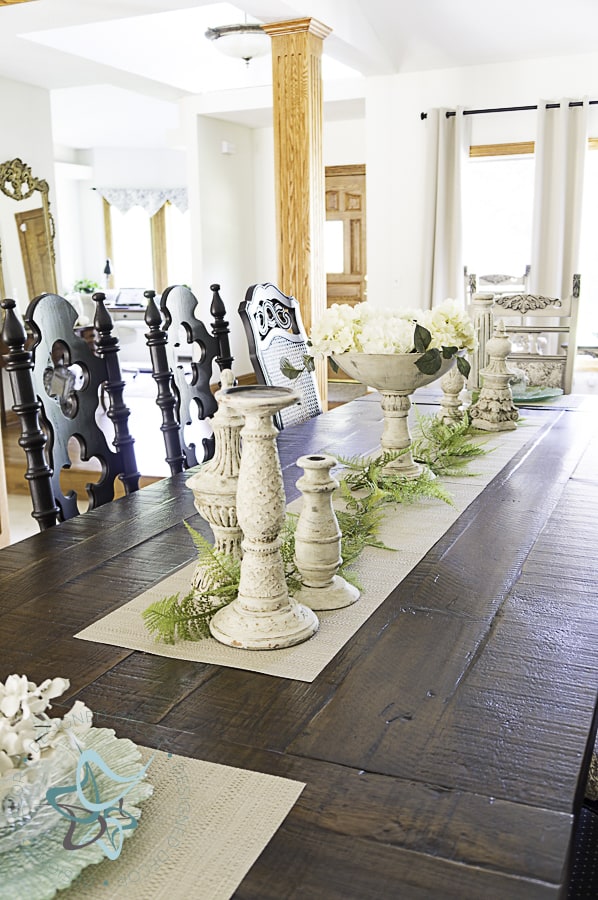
(345, 239)
(345, 234)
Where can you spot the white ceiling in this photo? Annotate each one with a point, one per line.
(117, 67)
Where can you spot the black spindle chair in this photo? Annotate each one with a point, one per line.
(183, 382)
(58, 384)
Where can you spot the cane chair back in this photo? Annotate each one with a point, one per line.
(275, 332)
(60, 385)
(182, 353)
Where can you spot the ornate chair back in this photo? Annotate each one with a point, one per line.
(543, 332)
(275, 331)
(183, 378)
(59, 385)
(495, 283)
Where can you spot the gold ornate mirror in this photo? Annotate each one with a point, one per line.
(27, 255)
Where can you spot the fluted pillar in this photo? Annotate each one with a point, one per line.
(299, 166)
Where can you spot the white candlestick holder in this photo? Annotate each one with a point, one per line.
(263, 616)
(318, 539)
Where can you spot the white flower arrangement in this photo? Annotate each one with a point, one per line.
(25, 728)
(442, 332)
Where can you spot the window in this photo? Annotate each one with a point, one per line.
(131, 251)
(498, 197)
(148, 252)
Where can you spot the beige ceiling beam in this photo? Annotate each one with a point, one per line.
(299, 167)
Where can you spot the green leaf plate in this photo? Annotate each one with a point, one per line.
(536, 394)
(39, 866)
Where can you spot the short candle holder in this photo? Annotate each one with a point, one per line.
(263, 616)
(318, 539)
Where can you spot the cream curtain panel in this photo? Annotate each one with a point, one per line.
(450, 138)
(149, 199)
(561, 148)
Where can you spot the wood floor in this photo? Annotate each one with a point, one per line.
(76, 478)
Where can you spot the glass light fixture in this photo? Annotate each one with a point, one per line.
(240, 41)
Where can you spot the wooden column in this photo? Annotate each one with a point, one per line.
(299, 167)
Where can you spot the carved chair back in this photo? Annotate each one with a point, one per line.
(495, 283)
(275, 331)
(59, 385)
(182, 353)
(543, 333)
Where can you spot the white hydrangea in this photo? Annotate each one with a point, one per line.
(333, 332)
(449, 325)
(22, 703)
(364, 328)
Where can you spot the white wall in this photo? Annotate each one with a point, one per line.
(344, 143)
(266, 245)
(224, 214)
(76, 240)
(26, 133)
(397, 152)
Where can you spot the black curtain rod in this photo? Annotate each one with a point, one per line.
(478, 112)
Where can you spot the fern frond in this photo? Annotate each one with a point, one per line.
(222, 567)
(186, 619)
(445, 448)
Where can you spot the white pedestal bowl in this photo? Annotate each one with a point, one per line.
(396, 376)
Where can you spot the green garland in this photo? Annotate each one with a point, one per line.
(364, 493)
(446, 448)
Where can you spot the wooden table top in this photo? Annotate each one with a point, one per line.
(445, 746)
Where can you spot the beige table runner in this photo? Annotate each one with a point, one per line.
(198, 835)
(411, 529)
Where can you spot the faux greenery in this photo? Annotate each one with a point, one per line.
(367, 475)
(187, 619)
(431, 360)
(86, 286)
(364, 493)
(445, 448)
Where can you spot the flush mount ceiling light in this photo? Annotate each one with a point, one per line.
(241, 41)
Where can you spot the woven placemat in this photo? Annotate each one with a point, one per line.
(410, 529)
(198, 835)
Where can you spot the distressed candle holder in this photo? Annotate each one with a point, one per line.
(215, 485)
(494, 409)
(262, 616)
(452, 384)
(318, 539)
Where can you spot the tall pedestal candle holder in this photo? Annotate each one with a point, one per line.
(318, 539)
(263, 616)
(215, 485)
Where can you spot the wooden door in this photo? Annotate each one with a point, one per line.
(345, 239)
(35, 251)
(345, 234)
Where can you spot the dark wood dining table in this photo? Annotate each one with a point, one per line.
(445, 747)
